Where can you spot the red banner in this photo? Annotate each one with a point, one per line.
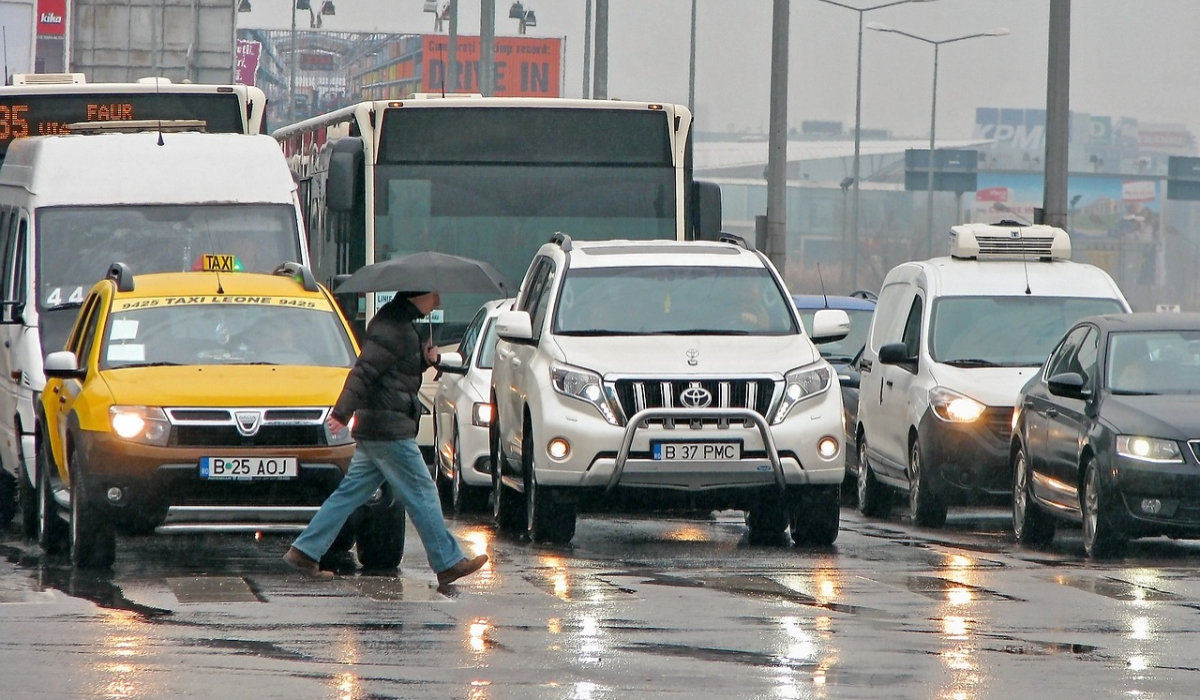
(248, 53)
(52, 17)
(524, 66)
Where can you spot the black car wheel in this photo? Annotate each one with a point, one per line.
(816, 516)
(8, 498)
(51, 530)
(1031, 524)
(28, 499)
(1103, 516)
(768, 520)
(93, 539)
(508, 508)
(927, 507)
(548, 518)
(380, 537)
(873, 497)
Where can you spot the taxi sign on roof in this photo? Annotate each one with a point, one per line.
(219, 263)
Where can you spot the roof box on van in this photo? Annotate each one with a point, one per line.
(1009, 240)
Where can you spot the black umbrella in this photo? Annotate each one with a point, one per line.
(428, 272)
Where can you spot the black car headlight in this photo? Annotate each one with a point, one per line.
(1148, 449)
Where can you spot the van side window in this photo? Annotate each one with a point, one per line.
(14, 288)
(888, 313)
(912, 328)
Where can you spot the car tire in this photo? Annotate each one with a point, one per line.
(548, 519)
(28, 500)
(874, 500)
(767, 520)
(816, 516)
(1104, 533)
(92, 537)
(1031, 524)
(508, 507)
(8, 499)
(464, 498)
(926, 506)
(380, 537)
(51, 529)
(439, 477)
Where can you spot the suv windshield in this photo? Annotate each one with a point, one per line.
(223, 334)
(1006, 331)
(672, 300)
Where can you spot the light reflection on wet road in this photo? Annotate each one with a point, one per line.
(636, 608)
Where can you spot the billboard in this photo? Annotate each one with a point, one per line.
(248, 53)
(524, 66)
(1102, 207)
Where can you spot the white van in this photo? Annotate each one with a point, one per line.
(72, 205)
(952, 342)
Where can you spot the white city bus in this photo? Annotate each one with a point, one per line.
(490, 178)
(48, 104)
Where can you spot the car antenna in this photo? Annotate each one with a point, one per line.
(822, 280)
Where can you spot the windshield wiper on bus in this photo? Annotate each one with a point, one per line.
(972, 362)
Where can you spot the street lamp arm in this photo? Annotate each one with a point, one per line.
(873, 7)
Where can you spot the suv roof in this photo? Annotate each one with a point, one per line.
(627, 253)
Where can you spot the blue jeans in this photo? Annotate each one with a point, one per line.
(399, 462)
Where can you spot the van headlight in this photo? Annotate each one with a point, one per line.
(145, 424)
(1148, 449)
(583, 385)
(954, 407)
(800, 384)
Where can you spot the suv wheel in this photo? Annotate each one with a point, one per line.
(767, 520)
(928, 509)
(51, 530)
(508, 508)
(548, 519)
(816, 516)
(873, 497)
(1031, 524)
(380, 538)
(93, 540)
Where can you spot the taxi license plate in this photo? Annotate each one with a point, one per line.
(696, 451)
(249, 468)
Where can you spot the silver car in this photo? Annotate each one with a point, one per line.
(462, 414)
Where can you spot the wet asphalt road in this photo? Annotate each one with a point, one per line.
(636, 608)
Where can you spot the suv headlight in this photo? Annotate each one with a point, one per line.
(340, 436)
(954, 407)
(1148, 449)
(583, 385)
(800, 384)
(145, 424)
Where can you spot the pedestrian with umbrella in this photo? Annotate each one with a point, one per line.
(381, 395)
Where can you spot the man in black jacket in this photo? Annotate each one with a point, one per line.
(381, 394)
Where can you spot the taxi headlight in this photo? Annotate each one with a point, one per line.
(583, 385)
(341, 436)
(1148, 449)
(144, 424)
(800, 384)
(954, 407)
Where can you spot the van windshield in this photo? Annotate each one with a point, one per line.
(1005, 331)
(76, 245)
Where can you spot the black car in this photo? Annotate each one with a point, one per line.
(1108, 433)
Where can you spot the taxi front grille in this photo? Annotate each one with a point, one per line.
(635, 395)
(998, 421)
(267, 436)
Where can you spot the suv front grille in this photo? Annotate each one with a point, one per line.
(247, 427)
(639, 394)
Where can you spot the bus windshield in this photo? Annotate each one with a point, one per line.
(497, 183)
(76, 245)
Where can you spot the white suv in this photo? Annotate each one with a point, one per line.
(662, 375)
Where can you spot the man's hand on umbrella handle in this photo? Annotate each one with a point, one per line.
(432, 356)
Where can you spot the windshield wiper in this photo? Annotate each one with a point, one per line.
(65, 305)
(838, 358)
(593, 332)
(971, 362)
(705, 331)
(1131, 392)
(148, 364)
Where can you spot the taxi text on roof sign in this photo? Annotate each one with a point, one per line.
(220, 263)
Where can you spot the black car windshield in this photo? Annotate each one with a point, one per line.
(845, 349)
(1154, 362)
(1006, 331)
(224, 334)
(672, 300)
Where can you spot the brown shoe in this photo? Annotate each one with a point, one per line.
(466, 567)
(306, 565)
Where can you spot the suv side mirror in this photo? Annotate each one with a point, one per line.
(895, 354)
(1067, 384)
(829, 325)
(453, 363)
(62, 365)
(515, 326)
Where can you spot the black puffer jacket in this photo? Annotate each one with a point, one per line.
(381, 390)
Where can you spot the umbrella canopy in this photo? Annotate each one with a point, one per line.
(428, 272)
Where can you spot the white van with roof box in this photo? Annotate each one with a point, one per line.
(72, 205)
(952, 342)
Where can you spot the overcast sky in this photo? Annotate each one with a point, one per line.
(1131, 58)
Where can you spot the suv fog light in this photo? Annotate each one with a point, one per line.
(558, 448)
(1152, 506)
(827, 447)
(115, 494)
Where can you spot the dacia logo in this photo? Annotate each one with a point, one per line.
(248, 422)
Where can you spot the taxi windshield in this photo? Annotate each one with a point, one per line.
(273, 333)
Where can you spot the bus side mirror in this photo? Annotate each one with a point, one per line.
(707, 225)
(343, 187)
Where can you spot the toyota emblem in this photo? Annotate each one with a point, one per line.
(695, 396)
(692, 355)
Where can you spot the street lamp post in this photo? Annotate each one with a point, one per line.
(1001, 31)
(853, 242)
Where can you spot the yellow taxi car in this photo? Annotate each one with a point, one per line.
(197, 402)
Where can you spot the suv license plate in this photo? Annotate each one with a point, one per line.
(249, 468)
(696, 451)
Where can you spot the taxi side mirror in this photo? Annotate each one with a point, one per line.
(452, 363)
(62, 365)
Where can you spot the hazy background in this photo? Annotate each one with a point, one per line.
(1132, 58)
